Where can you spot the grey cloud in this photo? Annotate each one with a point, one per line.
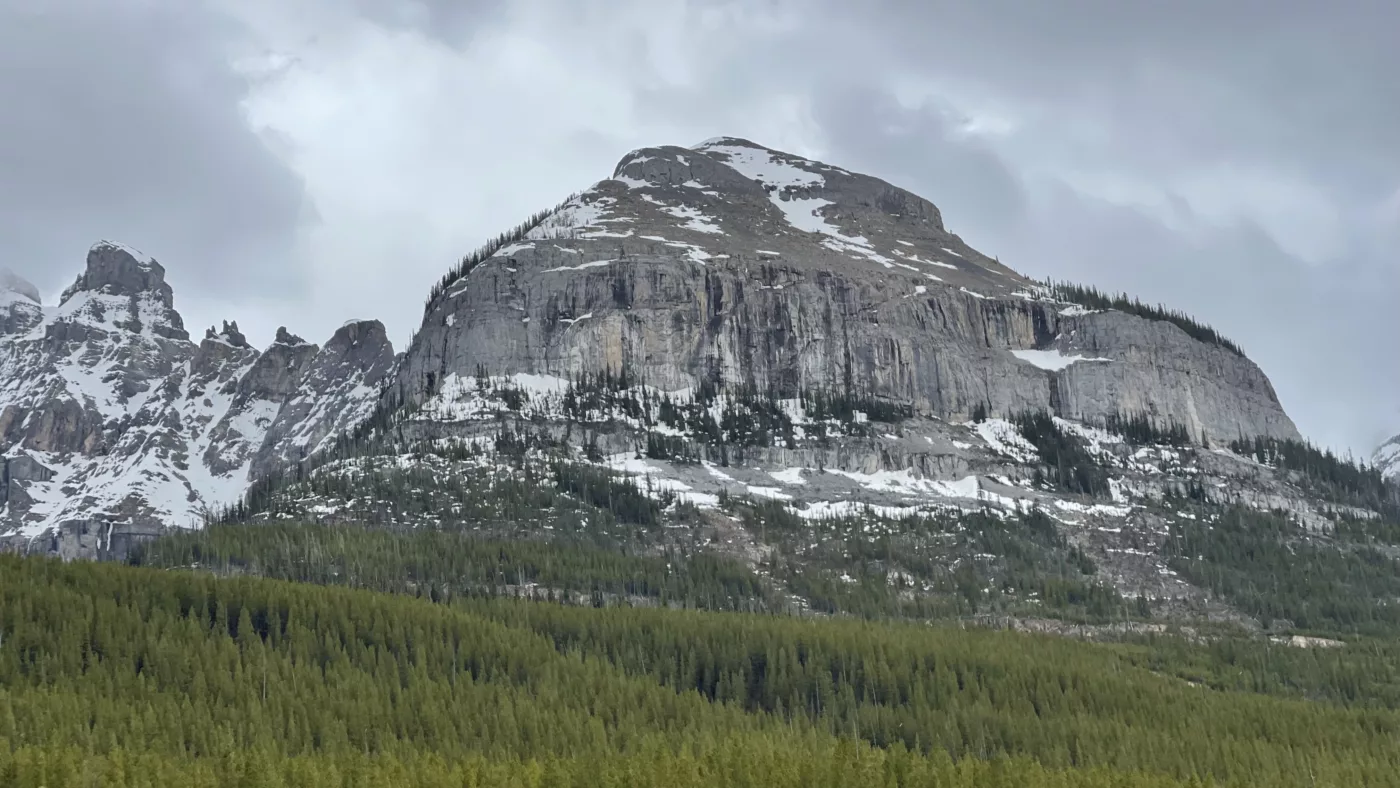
(123, 121)
(453, 22)
(1190, 81)
(916, 149)
(1322, 335)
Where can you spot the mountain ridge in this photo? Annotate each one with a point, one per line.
(115, 423)
(725, 348)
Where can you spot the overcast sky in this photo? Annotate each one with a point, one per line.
(306, 162)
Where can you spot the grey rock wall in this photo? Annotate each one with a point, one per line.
(885, 301)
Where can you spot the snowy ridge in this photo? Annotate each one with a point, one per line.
(140, 257)
(113, 421)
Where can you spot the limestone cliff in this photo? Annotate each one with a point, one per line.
(736, 264)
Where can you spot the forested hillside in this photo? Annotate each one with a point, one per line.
(124, 676)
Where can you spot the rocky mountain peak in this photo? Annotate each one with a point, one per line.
(743, 266)
(121, 290)
(795, 179)
(285, 337)
(113, 424)
(229, 334)
(356, 334)
(117, 269)
(336, 389)
(784, 208)
(222, 355)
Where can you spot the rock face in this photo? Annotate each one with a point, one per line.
(336, 391)
(739, 265)
(114, 424)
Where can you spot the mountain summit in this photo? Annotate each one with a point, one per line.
(741, 265)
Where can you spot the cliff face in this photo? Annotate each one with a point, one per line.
(114, 424)
(740, 265)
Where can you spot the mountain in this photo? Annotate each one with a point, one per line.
(727, 380)
(724, 351)
(731, 350)
(742, 265)
(115, 424)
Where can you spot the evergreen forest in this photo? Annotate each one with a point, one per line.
(312, 656)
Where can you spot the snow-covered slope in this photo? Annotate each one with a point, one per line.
(114, 423)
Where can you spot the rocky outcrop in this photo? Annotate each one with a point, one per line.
(114, 425)
(116, 270)
(740, 265)
(337, 391)
(276, 373)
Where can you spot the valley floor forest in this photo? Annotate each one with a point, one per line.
(142, 675)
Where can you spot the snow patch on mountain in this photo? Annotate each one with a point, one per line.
(760, 165)
(1053, 360)
(140, 257)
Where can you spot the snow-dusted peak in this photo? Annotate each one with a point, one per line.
(122, 290)
(728, 141)
(114, 424)
(139, 256)
(228, 335)
(285, 337)
(769, 168)
(118, 270)
(14, 284)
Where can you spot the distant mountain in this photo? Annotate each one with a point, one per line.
(113, 422)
